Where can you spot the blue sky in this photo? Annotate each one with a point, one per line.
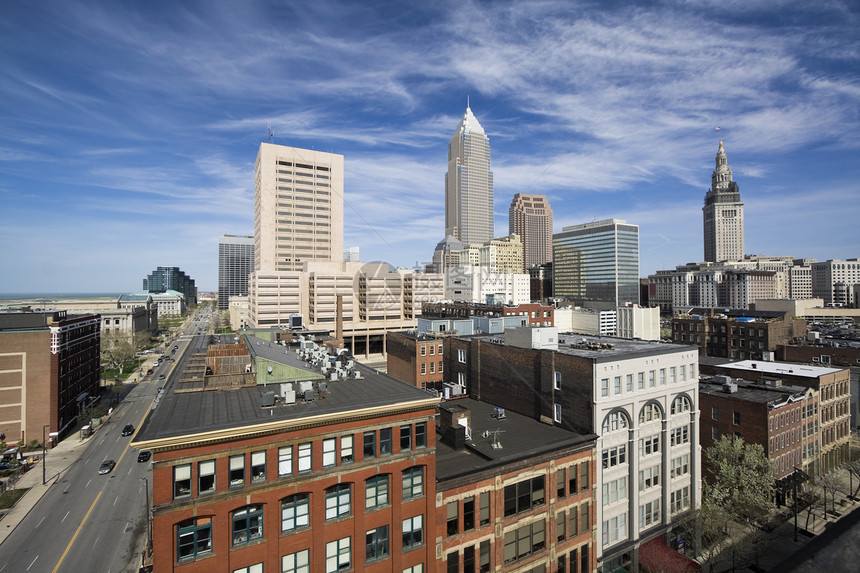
(128, 131)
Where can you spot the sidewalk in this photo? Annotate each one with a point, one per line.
(58, 460)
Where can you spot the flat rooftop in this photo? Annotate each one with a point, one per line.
(781, 368)
(182, 413)
(521, 438)
(753, 393)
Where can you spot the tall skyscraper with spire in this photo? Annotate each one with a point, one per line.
(723, 215)
(469, 184)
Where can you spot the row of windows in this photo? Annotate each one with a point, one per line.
(650, 412)
(433, 368)
(296, 459)
(675, 373)
(432, 348)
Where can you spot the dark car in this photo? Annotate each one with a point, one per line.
(106, 467)
(161, 377)
(128, 430)
(144, 456)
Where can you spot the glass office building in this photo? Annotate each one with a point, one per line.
(235, 263)
(597, 264)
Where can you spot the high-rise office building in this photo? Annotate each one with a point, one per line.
(597, 264)
(469, 184)
(723, 215)
(298, 207)
(530, 217)
(235, 263)
(171, 278)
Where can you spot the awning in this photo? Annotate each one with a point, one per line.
(656, 557)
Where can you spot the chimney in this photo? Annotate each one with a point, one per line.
(338, 333)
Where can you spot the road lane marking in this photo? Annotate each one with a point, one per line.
(77, 531)
(65, 516)
(115, 500)
(88, 484)
(31, 564)
(40, 522)
(96, 541)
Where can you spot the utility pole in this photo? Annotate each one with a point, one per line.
(44, 454)
(148, 518)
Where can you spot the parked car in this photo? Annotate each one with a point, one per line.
(128, 430)
(144, 456)
(106, 467)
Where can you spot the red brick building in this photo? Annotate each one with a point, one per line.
(341, 480)
(416, 358)
(49, 370)
(513, 494)
(538, 314)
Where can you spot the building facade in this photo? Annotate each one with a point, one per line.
(835, 281)
(476, 284)
(530, 217)
(164, 279)
(235, 263)
(503, 255)
(597, 264)
(723, 214)
(49, 371)
(298, 207)
(469, 184)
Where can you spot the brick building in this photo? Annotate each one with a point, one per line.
(538, 314)
(640, 398)
(832, 417)
(781, 419)
(735, 333)
(342, 478)
(416, 358)
(513, 494)
(49, 371)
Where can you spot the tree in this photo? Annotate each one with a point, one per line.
(742, 479)
(830, 485)
(814, 499)
(853, 469)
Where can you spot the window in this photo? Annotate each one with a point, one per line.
(484, 509)
(413, 482)
(629, 382)
(615, 529)
(346, 449)
(369, 445)
(680, 499)
(715, 413)
(583, 475)
(295, 512)
(285, 460)
(423, 350)
(432, 349)
(651, 378)
(616, 385)
(440, 349)
(247, 524)
(662, 376)
(452, 518)
(421, 435)
(683, 373)
(181, 481)
(193, 537)
(405, 438)
(440, 367)
(556, 413)
(615, 456)
(573, 522)
(337, 555)
(640, 380)
(649, 477)
(604, 386)
(649, 412)
(415, 569)
(461, 356)
(376, 492)
(679, 436)
(468, 514)
(649, 445)
(329, 446)
(237, 471)
(453, 562)
(305, 460)
(484, 557)
(557, 383)
(715, 433)
(423, 368)
(524, 541)
(376, 543)
(337, 501)
(560, 483)
(672, 373)
(614, 421)
(615, 490)
(524, 495)
(258, 467)
(384, 441)
(680, 465)
(649, 513)
(413, 531)
(298, 562)
(680, 404)
(736, 418)
(432, 368)
(560, 522)
(206, 477)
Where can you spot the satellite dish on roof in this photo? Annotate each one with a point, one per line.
(269, 369)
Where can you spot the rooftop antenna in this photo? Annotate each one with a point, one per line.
(496, 444)
(270, 132)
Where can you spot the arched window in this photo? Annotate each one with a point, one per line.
(681, 404)
(649, 413)
(247, 524)
(614, 421)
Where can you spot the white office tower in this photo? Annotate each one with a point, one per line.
(723, 215)
(469, 184)
(298, 207)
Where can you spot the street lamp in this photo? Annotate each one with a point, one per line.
(148, 519)
(44, 453)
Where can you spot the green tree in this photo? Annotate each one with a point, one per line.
(742, 479)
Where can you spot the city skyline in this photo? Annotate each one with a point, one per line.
(129, 134)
